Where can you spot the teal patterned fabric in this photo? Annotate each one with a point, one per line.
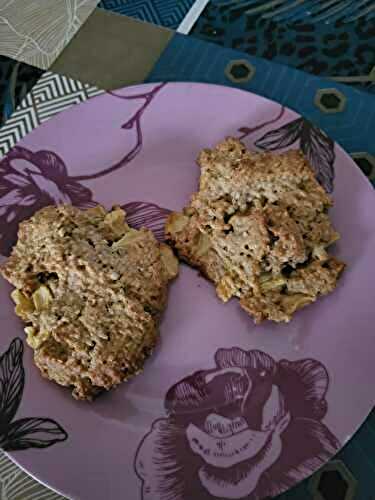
(351, 475)
(167, 13)
(340, 45)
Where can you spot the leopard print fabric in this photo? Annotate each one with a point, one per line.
(325, 49)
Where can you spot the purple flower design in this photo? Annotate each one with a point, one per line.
(318, 148)
(249, 428)
(32, 180)
(24, 433)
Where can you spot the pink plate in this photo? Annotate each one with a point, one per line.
(224, 409)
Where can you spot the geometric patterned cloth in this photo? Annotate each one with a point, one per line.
(16, 80)
(348, 117)
(167, 13)
(52, 94)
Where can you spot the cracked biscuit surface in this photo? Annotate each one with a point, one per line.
(91, 291)
(259, 229)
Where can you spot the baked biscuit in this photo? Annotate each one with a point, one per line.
(259, 229)
(91, 291)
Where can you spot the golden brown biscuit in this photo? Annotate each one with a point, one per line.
(91, 291)
(258, 228)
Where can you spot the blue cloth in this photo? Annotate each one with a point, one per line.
(334, 47)
(167, 13)
(189, 59)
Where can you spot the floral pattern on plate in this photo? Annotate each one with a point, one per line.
(26, 432)
(250, 427)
